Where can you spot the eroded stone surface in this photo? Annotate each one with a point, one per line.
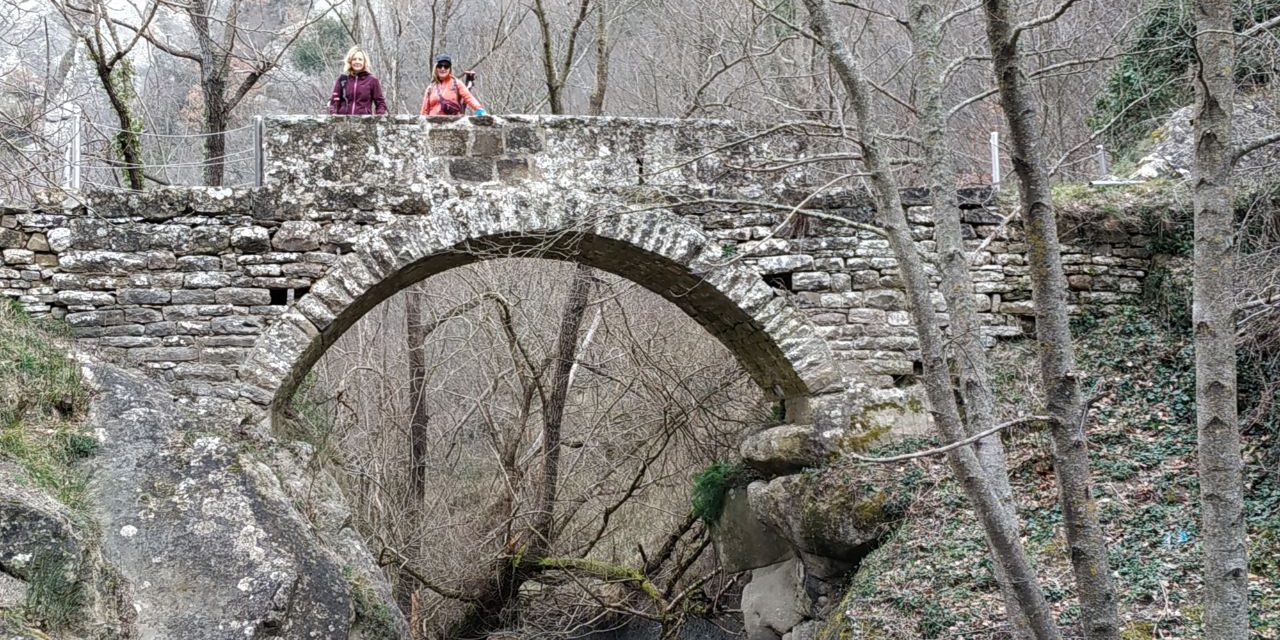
(202, 529)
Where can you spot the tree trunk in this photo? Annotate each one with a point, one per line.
(1053, 333)
(998, 522)
(118, 82)
(215, 123)
(418, 435)
(553, 414)
(957, 284)
(1226, 569)
(595, 106)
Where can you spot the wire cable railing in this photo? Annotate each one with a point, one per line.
(81, 155)
(174, 158)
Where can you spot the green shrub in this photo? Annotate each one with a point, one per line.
(1150, 78)
(321, 47)
(711, 486)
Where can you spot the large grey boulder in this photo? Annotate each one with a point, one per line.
(742, 541)
(774, 601)
(50, 570)
(786, 449)
(202, 529)
(827, 513)
(1171, 153)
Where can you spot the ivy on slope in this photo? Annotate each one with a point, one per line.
(932, 579)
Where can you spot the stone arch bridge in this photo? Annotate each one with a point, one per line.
(237, 292)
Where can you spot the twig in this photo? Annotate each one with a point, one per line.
(954, 445)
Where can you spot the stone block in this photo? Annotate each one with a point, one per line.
(888, 299)
(102, 262)
(236, 325)
(783, 264)
(145, 296)
(471, 169)
(95, 318)
(164, 354)
(448, 142)
(128, 342)
(11, 239)
(192, 296)
(38, 243)
(160, 260)
(811, 281)
(207, 280)
(251, 239)
(242, 296)
(206, 372)
(302, 270)
(85, 298)
(511, 169)
(199, 263)
(523, 140)
(142, 316)
(486, 142)
(223, 355)
(205, 239)
(297, 235)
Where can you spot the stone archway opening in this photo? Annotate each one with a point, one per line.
(464, 486)
(773, 341)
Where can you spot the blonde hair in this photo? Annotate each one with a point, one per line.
(346, 61)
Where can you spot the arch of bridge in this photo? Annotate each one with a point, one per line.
(774, 341)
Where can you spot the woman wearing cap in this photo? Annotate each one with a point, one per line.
(446, 96)
(357, 91)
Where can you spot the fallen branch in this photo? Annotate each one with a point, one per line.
(954, 445)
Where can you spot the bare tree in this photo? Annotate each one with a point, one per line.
(91, 24)
(1053, 332)
(998, 520)
(226, 48)
(1226, 567)
(926, 21)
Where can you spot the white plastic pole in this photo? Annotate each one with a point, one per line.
(995, 159)
(259, 152)
(75, 152)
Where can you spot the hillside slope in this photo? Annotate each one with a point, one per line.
(932, 578)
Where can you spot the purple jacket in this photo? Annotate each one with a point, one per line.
(357, 95)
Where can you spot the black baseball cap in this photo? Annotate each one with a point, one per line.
(444, 59)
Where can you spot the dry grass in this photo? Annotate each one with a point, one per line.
(41, 399)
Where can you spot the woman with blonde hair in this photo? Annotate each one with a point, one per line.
(357, 91)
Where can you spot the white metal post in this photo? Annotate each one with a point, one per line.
(995, 159)
(75, 151)
(259, 152)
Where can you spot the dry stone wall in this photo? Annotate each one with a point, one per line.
(185, 282)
